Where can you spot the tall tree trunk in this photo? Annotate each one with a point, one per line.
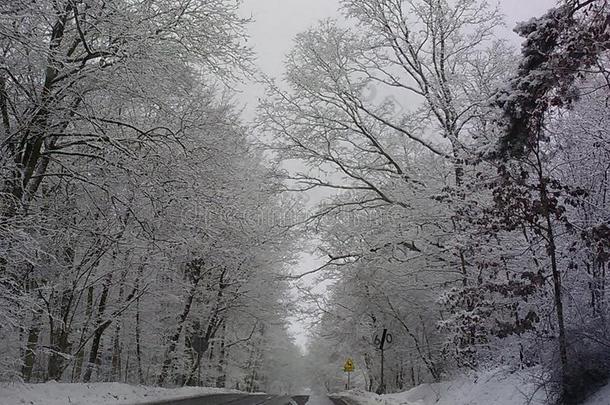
(116, 354)
(139, 328)
(60, 334)
(60, 319)
(552, 253)
(371, 372)
(221, 380)
(101, 327)
(139, 343)
(173, 342)
(116, 342)
(32, 343)
(29, 153)
(204, 339)
(80, 355)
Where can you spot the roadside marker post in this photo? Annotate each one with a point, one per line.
(380, 344)
(349, 368)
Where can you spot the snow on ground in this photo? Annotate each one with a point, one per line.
(491, 388)
(494, 387)
(601, 397)
(53, 393)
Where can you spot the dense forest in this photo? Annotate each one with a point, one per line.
(131, 244)
(472, 212)
(148, 232)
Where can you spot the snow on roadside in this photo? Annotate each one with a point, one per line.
(360, 397)
(53, 393)
(494, 387)
(601, 397)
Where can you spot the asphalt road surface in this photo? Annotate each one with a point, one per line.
(243, 399)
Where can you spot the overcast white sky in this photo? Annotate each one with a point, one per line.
(277, 22)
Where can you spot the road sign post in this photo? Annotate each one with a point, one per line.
(380, 344)
(348, 380)
(349, 368)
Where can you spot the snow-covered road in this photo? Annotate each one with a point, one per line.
(123, 394)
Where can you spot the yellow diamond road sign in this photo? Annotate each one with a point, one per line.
(348, 367)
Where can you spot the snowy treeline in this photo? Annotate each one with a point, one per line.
(470, 210)
(137, 232)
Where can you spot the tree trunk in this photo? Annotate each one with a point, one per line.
(31, 347)
(59, 336)
(116, 343)
(369, 367)
(173, 343)
(222, 377)
(139, 337)
(116, 354)
(80, 356)
(99, 330)
(214, 324)
(552, 252)
(32, 142)
(94, 359)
